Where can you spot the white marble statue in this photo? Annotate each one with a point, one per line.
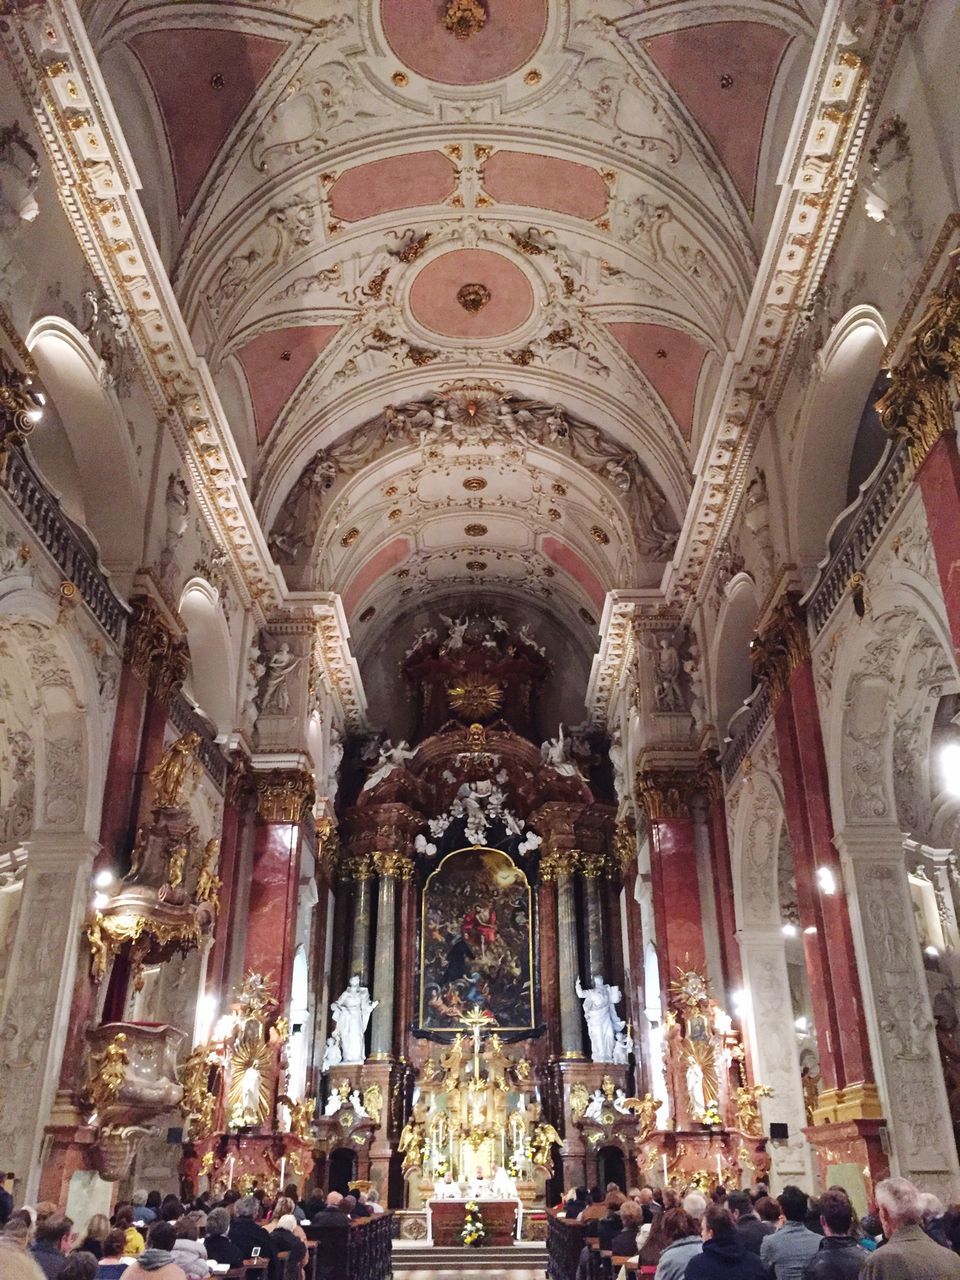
(694, 1077)
(332, 1054)
(391, 757)
(351, 1013)
(594, 1109)
(356, 1101)
(669, 695)
(619, 1101)
(334, 1103)
(555, 754)
(456, 630)
(622, 1049)
(276, 694)
(603, 1024)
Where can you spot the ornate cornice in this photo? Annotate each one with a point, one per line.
(392, 863)
(284, 796)
(593, 865)
(559, 862)
(781, 647)
(666, 793)
(917, 407)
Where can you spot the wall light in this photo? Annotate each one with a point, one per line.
(100, 900)
(740, 1001)
(789, 930)
(932, 951)
(810, 929)
(801, 1023)
(103, 879)
(826, 880)
(950, 764)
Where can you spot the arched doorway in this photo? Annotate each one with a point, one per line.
(611, 1167)
(341, 1170)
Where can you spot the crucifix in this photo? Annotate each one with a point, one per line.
(475, 1021)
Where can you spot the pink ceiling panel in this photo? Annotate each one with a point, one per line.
(382, 562)
(400, 182)
(571, 562)
(508, 38)
(521, 177)
(275, 364)
(671, 362)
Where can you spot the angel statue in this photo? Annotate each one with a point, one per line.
(545, 1138)
(391, 757)
(351, 1013)
(410, 1146)
(555, 754)
(169, 775)
(603, 1024)
(208, 882)
(456, 630)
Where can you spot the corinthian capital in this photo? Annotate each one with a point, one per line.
(283, 796)
(782, 646)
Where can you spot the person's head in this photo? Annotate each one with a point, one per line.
(247, 1207)
(898, 1204)
(348, 1204)
(139, 1198)
(613, 1200)
(283, 1206)
(767, 1209)
(55, 1231)
(199, 1218)
(218, 1222)
(123, 1217)
(186, 1229)
(19, 1266)
(15, 1234)
(45, 1209)
(793, 1204)
(334, 1200)
(98, 1227)
(287, 1223)
(154, 1200)
(447, 1177)
(292, 1191)
(678, 1224)
(373, 1196)
(596, 1195)
(694, 1206)
(931, 1208)
(670, 1198)
(171, 1209)
(631, 1215)
(836, 1213)
(717, 1223)
(162, 1235)
(113, 1246)
(646, 1195)
(80, 1266)
(612, 1186)
(738, 1204)
(230, 1198)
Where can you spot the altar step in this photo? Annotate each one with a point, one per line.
(527, 1259)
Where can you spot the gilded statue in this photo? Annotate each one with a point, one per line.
(451, 1062)
(209, 883)
(176, 862)
(170, 774)
(373, 1103)
(106, 1072)
(608, 1087)
(410, 1146)
(748, 1111)
(301, 1115)
(579, 1101)
(544, 1139)
(99, 951)
(198, 1103)
(647, 1112)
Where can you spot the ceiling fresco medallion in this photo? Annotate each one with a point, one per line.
(473, 297)
(464, 18)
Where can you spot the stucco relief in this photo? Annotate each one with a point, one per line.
(63, 783)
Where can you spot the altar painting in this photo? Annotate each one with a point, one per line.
(475, 943)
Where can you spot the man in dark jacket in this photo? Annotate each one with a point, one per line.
(723, 1256)
(51, 1244)
(220, 1248)
(247, 1234)
(839, 1256)
(750, 1228)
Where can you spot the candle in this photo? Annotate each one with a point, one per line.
(666, 1181)
(719, 1171)
(232, 1161)
(283, 1172)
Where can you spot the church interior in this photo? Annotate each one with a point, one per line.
(479, 687)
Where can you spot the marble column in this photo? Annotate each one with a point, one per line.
(549, 986)
(359, 871)
(283, 797)
(43, 965)
(568, 967)
(665, 795)
(591, 869)
(231, 839)
(390, 867)
(722, 876)
(898, 1008)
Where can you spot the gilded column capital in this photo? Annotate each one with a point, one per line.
(665, 793)
(159, 657)
(358, 866)
(593, 865)
(917, 407)
(781, 647)
(710, 780)
(624, 850)
(284, 797)
(328, 847)
(393, 863)
(559, 862)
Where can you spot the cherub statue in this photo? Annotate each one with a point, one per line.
(107, 1071)
(390, 757)
(594, 1109)
(169, 775)
(332, 1054)
(176, 861)
(208, 882)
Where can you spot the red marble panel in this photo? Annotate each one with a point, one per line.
(230, 837)
(382, 562)
(198, 112)
(275, 363)
(522, 177)
(939, 480)
(410, 181)
(676, 888)
(671, 361)
(508, 39)
(272, 911)
(434, 302)
(569, 560)
(696, 62)
(723, 897)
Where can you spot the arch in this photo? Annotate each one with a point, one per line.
(730, 658)
(109, 482)
(212, 661)
(829, 422)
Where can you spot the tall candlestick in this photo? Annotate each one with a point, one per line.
(230, 1163)
(283, 1172)
(665, 1179)
(719, 1171)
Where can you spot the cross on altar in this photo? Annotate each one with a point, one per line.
(475, 1021)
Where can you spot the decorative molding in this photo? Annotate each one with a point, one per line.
(781, 647)
(665, 794)
(284, 796)
(395, 864)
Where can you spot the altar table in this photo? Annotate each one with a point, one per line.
(447, 1217)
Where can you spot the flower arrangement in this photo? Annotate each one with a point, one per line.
(711, 1114)
(513, 1168)
(473, 1232)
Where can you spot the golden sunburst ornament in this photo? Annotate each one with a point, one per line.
(475, 696)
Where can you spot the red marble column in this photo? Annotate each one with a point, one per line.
(665, 794)
(549, 993)
(938, 477)
(271, 925)
(828, 938)
(722, 879)
(231, 844)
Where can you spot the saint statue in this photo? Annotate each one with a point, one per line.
(555, 754)
(351, 1013)
(603, 1024)
(276, 694)
(391, 757)
(695, 1092)
(169, 775)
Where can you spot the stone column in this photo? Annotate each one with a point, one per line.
(283, 798)
(231, 838)
(899, 1010)
(721, 874)
(390, 867)
(664, 792)
(591, 869)
(359, 871)
(782, 657)
(55, 899)
(568, 967)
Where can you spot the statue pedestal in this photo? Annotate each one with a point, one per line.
(703, 1157)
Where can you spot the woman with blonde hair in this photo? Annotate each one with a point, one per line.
(282, 1209)
(98, 1228)
(19, 1266)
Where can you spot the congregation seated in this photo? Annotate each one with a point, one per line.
(188, 1250)
(247, 1234)
(220, 1248)
(157, 1262)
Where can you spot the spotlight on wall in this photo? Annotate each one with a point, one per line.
(932, 952)
(100, 900)
(789, 930)
(801, 1023)
(206, 1018)
(103, 879)
(739, 1001)
(950, 764)
(810, 929)
(826, 880)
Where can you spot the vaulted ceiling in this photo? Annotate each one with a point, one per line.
(465, 271)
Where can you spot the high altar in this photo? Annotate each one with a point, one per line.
(480, 1020)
